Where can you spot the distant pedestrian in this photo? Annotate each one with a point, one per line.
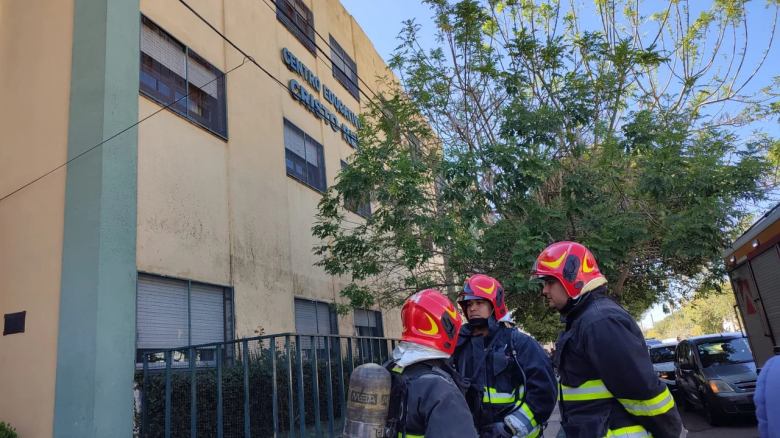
(767, 399)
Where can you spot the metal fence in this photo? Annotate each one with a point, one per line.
(286, 385)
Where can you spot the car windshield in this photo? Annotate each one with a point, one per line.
(662, 354)
(724, 352)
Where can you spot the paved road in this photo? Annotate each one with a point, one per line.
(695, 423)
(698, 426)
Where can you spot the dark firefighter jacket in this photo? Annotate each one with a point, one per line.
(434, 405)
(608, 385)
(499, 381)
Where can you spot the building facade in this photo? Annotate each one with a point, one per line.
(184, 213)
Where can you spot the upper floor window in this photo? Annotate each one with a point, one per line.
(172, 74)
(304, 157)
(344, 68)
(299, 20)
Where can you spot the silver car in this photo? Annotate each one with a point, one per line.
(662, 356)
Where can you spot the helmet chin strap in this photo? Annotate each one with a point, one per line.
(480, 322)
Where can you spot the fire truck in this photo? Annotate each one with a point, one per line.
(753, 263)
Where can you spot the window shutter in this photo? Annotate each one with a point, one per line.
(293, 139)
(201, 76)
(163, 49)
(305, 317)
(207, 314)
(161, 313)
(323, 319)
(312, 152)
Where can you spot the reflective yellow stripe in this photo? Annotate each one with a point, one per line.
(630, 432)
(398, 370)
(657, 405)
(401, 435)
(491, 395)
(534, 433)
(590, 390)
(528, 414)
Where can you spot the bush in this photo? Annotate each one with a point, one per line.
(6, 431)
(260, 396)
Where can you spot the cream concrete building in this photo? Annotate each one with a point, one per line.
(191, 227)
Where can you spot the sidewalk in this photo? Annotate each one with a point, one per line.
(553, 424)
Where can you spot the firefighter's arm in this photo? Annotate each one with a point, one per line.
(541, 389)
(621, 360)
(447, 413)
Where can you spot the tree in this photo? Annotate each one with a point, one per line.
(707, 313)
(525, 126)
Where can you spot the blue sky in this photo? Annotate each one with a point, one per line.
(382, 20)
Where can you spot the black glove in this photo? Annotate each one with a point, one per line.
(496, 430)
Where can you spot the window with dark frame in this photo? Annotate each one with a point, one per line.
(304, 157)
(359, 208)
(299, 20)
(170, 71)
(175, 313)
(344, 68)
(368, 323)
(316, 318)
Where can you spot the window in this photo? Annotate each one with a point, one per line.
(174, 313)
(299, 20)
(315, 317)
(170, 71)
(369, 323)
(724, 352)
(662, 354)
(344, 68)
(304, 157)
(359, 208)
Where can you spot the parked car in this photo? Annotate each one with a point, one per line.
(652, 341)
(716, 373)
(662, 357)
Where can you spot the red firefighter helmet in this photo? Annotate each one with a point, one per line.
(430, 319)
(572, 264)
(483, 287)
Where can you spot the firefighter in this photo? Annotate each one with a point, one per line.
(426, 399)
(512, 388)
(607, 383)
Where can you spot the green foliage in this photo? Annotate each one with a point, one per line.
(6, 431)
(706, 314)
(524, 127)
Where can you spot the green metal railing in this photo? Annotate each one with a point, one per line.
(277, 385)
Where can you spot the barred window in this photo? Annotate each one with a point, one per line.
(170, 71)
(304, 157)
(344, 68)
(299, 20)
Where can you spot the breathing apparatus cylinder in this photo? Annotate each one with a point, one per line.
(368, 402)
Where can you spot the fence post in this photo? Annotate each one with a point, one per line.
(341, 384)
(168, 355)
(301, 405)
(193, 393)
(273, 386)
(219, 391)
(246, 389)
(315, 386)
(290, 383)
(329, 382)
(351, 358)
(144, 388)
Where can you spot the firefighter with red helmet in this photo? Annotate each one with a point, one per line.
(426, 397)
(512, 388)
(607, 383)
